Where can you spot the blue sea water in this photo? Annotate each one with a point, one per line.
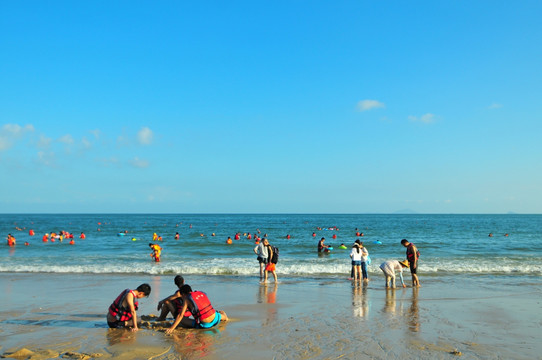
(449, 244)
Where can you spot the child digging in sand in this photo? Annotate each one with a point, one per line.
(122, 312)
(172, 303)
(205, 316)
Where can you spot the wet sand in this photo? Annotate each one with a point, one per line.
(49, 316)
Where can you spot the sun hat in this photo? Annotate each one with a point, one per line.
(404, 263)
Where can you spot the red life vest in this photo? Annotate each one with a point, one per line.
(119, 311)
(178, 303)
(201, 306)
(411, 256)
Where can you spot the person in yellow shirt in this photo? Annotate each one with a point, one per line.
(156, 251)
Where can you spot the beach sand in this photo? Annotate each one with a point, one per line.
(50, 316)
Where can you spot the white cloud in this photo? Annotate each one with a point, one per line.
(139, 163)
(97, 133)
(4, 143)
(66, 139)
(11, 132)
(16, 130)
(145, 136)
(426, 119)
(86, 143)
(44, 141)
(365, 105)
(494, 106)
(46, 158)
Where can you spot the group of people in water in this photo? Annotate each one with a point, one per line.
(389, 267)
(267, 257)
(360, 259)
(52, 237)
(193, 309)
(190, 309)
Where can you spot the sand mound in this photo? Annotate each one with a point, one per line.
(26, 354)
(19, 354)
(80, 356)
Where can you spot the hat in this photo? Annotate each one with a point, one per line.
(404, 263)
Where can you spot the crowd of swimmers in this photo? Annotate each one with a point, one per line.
(52, 237)
(267, 255)
(189, 308)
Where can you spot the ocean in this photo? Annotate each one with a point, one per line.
(449, 244)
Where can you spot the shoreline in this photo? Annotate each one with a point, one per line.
(482, 317)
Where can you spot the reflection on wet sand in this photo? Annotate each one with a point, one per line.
(120, 336)
(407, 309)
(389, 304)
(268, 295)
(360, 300)
(413, 316)
(190, 343)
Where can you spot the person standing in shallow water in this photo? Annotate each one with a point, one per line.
(262, 251)
(321, 246)
(412, 257)
(364, 260)
(271, 265)
(389, 267)
(355, 255)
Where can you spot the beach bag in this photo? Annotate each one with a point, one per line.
(275, 258)
(368, 260)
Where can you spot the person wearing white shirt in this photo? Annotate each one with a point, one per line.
(261, 251)
(389, 267)
(356, 256)
(364, 261)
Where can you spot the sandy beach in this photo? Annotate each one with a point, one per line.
(49, 316)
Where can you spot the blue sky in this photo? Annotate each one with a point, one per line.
(271, 107)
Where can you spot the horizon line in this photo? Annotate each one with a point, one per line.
(255, 213)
